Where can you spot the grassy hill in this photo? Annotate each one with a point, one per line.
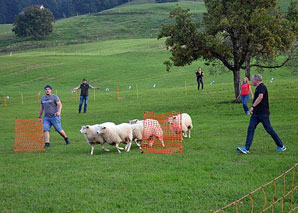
(129, 21)
(136, 19)
(206, 176)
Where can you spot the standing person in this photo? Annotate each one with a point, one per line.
(84, 94)
(51, 106)
(200, 76)
(245, 89)
(260, 113)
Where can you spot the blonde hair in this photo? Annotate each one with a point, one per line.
(245, 79)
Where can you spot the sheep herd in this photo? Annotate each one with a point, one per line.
(134, 131)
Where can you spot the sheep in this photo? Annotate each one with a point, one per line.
(152, 129)
(137, 133)
(186, 124)
(91, 136)
(114, 135)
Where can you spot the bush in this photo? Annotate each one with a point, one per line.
(34, 21)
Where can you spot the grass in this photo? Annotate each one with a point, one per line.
(125, 22)
(206, 176)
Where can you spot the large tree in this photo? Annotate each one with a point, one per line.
(34, 22)
(235, 32)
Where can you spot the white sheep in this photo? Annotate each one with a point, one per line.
(91, 136)
(152, 129)
(114, 135)
(137, 133)
(186, 124)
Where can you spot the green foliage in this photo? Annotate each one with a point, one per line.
(34, 22)
(232, 32)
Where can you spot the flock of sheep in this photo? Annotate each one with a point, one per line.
(135, 130)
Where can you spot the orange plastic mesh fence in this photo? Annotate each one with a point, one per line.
(162, 133)
(278, 195)
(29, 136)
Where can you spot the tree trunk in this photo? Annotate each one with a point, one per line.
(247, 69)
(237, 85)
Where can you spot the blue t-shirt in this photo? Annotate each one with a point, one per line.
(49, 103)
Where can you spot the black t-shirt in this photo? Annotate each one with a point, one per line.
(263, 106)
(84, 89)
(199, 76)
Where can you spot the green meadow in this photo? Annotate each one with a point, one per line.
(208, 175)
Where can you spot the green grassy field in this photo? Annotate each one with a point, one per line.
(206, 176)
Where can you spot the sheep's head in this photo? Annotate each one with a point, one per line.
(133, 121)
(84, 129)
(172, 119)
(100, 129)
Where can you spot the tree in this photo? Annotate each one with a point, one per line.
(235, 32)
(34, 21)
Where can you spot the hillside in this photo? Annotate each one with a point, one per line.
(136, 19)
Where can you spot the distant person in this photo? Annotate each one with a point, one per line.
(260, 113)
(84, 94)
(200, 76)
(245, 89)
(51, 106)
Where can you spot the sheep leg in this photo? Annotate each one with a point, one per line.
(105, 149)
(138, 144)
(128, 148)
(189, 133)
(92, 149)
(162, 143)
(119, 148)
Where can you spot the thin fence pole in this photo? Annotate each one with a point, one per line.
(94, 95)
(5, 104)
(118, 94)
(38, 97)
(22, 98)
(57, 92)
(293, 181)
(76, 96)
(137, 91)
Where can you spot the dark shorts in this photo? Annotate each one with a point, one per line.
(49, 121)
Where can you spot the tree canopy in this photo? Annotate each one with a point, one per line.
(34, 21)
(233, 32)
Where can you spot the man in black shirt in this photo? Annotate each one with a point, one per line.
(84, 94)
(260, 113)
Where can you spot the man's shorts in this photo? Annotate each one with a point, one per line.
(49, 121)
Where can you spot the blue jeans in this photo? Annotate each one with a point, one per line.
(255, 119)
(85, 99)
(48, 122)
(244, 100)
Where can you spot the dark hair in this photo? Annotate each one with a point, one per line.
(84, 79)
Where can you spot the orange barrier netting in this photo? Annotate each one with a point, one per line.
(281, 198)
(29, 136)
(162, 133)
